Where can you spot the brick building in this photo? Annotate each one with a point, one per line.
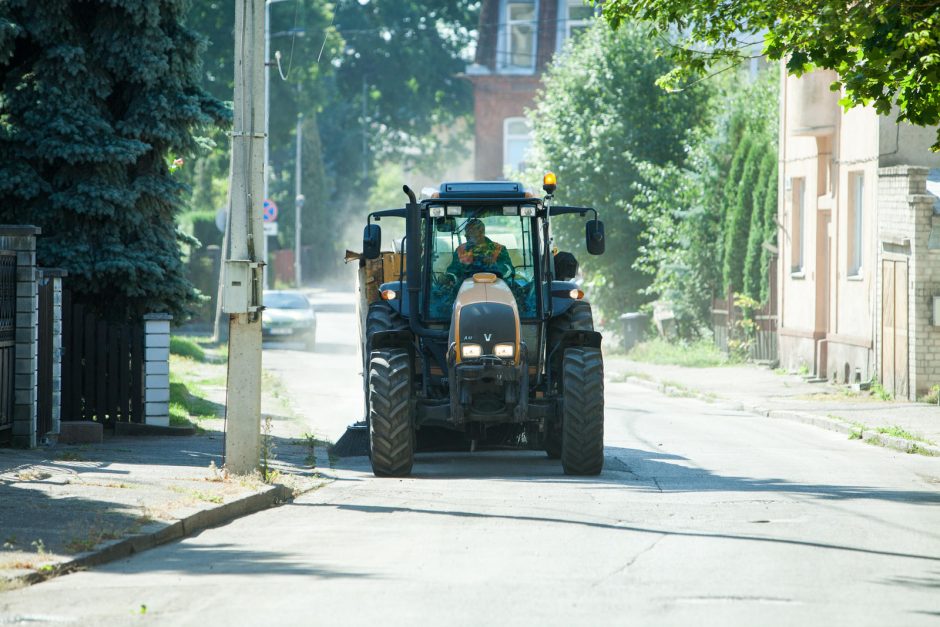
(518, 38)
(859, 238)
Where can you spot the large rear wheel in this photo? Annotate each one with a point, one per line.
(391, 424)
(380, 317)
(582, 445)
(578, 317)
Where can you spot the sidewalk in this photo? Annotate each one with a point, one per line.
(67, 507)
(910, 427)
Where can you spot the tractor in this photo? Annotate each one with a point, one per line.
(481, 329)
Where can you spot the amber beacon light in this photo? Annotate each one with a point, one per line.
(549, 183)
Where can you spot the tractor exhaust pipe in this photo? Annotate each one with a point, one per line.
(413, 268)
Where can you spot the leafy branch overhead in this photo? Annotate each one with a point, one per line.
(886, 53)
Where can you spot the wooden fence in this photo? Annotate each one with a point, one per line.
(102, 367)
(762, 340)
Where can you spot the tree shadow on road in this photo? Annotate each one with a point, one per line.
(195, 558)
(379, 509)
(931, 580)
(634, 469)
(615, 526)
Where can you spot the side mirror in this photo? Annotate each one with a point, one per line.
(372, 241)
(594, 234)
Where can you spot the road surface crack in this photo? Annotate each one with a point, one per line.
(633, 559)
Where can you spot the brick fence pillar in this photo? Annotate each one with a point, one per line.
(22, 241)
(157, 369)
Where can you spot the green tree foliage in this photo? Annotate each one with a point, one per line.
(691, 209)
(322, 224)
(600, 113)
(885, 53)
(403, 58)
(770, 232)
(683, 271)
(98, 99)
(740, 146)
(738, 222)
(376, 82)
(756, 264)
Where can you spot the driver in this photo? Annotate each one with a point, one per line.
(479, 253)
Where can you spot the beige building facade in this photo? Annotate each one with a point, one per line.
(856, 275)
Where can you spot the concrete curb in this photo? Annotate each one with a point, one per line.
(160, 533)
(816, 420)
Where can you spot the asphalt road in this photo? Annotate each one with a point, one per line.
(702, 516)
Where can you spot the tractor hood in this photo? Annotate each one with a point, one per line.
(485, 314)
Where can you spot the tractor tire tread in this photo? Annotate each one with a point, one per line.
(391, 428)
(582, 450)
(578, 317)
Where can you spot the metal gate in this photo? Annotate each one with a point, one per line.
(102, 366)
(894, 323)
(7, 340)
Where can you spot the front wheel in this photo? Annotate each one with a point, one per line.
(582, 444)
(391, 425)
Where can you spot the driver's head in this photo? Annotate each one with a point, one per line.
(476, 231)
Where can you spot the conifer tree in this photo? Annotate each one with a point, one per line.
(738, 220)
(98, 99)
(770, 231)
(754, 267)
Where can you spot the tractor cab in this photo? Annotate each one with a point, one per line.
(474, 332)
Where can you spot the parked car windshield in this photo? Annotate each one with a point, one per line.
(285, 300)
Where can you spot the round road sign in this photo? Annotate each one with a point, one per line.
(269, 211)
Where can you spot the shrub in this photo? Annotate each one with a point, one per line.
(185, 347)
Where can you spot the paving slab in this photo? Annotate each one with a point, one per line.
(69, 506)
(913, 427)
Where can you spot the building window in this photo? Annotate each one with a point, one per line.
(577, 17)
(517, 137)
(574, 17)
(856, 221)
(797, 223)
(519, 39)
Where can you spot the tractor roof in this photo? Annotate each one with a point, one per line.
(483, 189)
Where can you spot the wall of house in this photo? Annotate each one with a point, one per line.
(833, 321)
(497, 97)
(906, 220)
(827, 310)
(501, 93)
(799, 312)
(849, 337)
(903, 144)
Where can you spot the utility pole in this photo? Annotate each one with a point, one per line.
(365, 145)
(298, 198)
(242, 292)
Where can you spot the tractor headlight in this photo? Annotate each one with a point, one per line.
(470, 351)
(504, 350)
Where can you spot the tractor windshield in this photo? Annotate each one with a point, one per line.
(482, 239)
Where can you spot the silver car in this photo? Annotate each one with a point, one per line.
(288, 315)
